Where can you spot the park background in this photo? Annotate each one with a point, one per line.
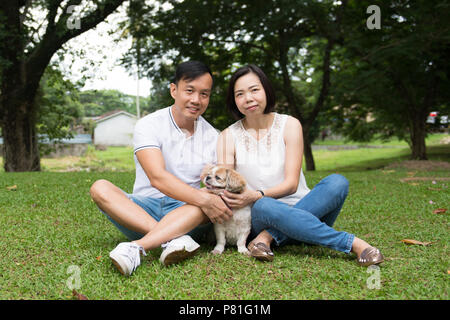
(369, 81)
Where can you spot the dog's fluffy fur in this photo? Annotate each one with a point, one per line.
(236, 230)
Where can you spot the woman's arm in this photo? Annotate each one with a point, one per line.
(226, 158)
(293, 139)
(225, 149)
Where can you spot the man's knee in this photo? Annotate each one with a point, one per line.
(99, 190)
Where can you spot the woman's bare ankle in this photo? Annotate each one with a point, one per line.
(359, 246)
(264, 237)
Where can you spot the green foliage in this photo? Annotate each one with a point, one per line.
(59, 107)
(395, 75)
(226, 35)
(381, 81)
(98, 102)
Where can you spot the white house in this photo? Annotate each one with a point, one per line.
(115, 128)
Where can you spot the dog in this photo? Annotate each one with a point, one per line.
(236, 230)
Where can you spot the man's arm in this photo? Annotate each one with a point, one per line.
(152, 162)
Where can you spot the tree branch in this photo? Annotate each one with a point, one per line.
(88, 22)
(59, 34)
(287, 84)
(51, 15)
(241, 42)
(25, 11)
(325, 82)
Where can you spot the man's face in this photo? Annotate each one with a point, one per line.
(192, 97)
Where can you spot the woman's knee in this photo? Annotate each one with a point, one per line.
(265, 209)
(338, 182)
(262, 205)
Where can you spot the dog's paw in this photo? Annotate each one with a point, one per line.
(216, 252)
(244, 250)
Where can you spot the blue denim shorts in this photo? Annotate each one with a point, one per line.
(158, 208)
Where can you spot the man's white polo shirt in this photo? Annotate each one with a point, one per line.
(184, 157)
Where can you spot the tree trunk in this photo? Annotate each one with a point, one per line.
(417, 134)
(294, 106)
(18, 115)
(418, 122)
(21, 151)
(307, 151)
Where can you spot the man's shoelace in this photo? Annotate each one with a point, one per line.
(134, 255)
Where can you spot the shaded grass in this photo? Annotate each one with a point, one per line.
(431, 139)
(49, 223)
(372, 158)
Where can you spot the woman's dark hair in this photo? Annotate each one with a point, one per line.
(270, 92)
(190, 70)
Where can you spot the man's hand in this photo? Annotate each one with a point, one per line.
(215, 208)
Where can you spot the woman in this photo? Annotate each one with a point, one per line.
(267, 149)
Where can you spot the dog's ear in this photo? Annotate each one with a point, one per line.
(205, 171)
(235, 182)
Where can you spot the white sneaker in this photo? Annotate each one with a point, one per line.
(126, 257)
(178, 249)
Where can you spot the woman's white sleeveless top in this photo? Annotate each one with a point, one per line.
(262, 161)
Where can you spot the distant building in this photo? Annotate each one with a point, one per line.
(114, 128)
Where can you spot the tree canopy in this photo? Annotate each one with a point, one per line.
(228, 34)
(395, 75)
(31, 32)
(325, 58)
(332, 63)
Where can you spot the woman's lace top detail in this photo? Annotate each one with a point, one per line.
(262, 161)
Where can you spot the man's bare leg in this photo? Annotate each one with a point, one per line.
(120, 208)
(173, 225)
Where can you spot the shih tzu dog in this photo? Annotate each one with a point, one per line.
(236, 230)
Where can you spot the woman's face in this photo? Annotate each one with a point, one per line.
(249, 95)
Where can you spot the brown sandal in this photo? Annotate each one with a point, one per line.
(370, 256)
(260, 251)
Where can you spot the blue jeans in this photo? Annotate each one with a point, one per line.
(310, 220)
(158, 208)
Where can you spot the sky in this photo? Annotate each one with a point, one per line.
(106, 73)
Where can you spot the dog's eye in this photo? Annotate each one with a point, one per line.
(218, 178)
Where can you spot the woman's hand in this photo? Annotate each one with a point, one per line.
(240, 200)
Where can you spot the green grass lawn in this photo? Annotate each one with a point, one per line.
(432, 139)
(49, 225)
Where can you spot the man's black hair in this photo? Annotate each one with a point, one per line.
(190, 70)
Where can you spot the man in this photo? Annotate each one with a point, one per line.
(171, 146)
